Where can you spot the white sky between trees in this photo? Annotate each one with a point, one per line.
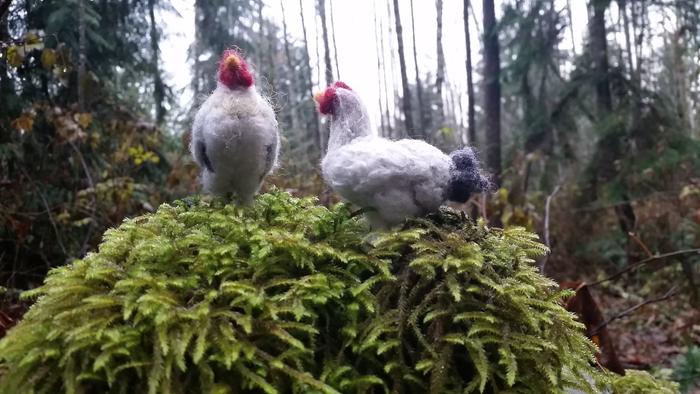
(355, 38)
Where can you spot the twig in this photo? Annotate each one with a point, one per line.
(639, 242)
(91, 183)
(636, 265)
(670, 293)
(48, 210)
(546, 225)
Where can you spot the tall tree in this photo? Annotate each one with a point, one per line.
(440, 74)
(407, 107)
(290, 66)
(309, 80)
(6, 82)
(599, 54)
(492, 92)
(393, 74)
(327, 52)
(383, 79)
(379, 73)
(471, 115)
(610, 146)
(335, 45)
(419, 85)
(570, 14)
(82, 54)
(158, 87)
(261, 39)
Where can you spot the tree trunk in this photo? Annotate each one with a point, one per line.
(327, 52)
(571, 26)
(82, 48)
(379, 73)
(158, 88)
(196, 86)
(317, 36)
(609, 146)
(6, 84)
(492, 92)
(396, 133)
(384, 80)
(471, 113)
(406, 99)
(260, 47)
(419, 85)
(599, 54)
(309, 80)
(290, 66)
(440, 74)
(335, 45)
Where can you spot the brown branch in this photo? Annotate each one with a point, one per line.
(93, 211)
(641, 244)
(670, 293)
(546, 226)
(633, 267)
(48, 210)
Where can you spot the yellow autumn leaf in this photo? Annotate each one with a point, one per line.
(24, 123)
(33, 37)
(84, 119)
(15, 55)
(48, 58)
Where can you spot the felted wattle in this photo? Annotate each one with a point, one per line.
(235, 136)
(286, 296)
(396, 179)
(233, 70)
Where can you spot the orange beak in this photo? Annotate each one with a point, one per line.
(318, 95)
(232, 61)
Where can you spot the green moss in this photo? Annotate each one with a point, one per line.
(287, 296)
(635, 382)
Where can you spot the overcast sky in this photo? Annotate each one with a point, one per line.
(355, 37)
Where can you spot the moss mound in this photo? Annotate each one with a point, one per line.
(286, 296)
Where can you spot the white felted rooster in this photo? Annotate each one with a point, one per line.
(235, 137)
(398, 179)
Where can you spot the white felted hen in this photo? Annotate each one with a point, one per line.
(235, 137)
(396, 179)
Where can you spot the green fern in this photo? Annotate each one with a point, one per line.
(287, 296)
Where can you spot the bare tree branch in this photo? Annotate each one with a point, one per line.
(546, 226)
(670, 293)
(635, 266)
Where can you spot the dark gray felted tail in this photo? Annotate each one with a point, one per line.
(465, 176)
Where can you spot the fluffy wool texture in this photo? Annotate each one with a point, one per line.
(396, 179)
(235, 137)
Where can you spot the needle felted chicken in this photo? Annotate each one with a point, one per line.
(235, 137)
(397, 179)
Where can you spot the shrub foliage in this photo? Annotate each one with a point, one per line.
(288, 296)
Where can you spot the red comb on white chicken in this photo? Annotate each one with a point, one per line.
(398, 179)
(235, 137)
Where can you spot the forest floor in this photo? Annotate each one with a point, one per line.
(655, 334)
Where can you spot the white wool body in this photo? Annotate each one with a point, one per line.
(397, 179)
(235, 140)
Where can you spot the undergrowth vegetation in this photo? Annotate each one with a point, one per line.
(288, 296)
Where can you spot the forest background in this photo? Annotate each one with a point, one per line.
(586, 114)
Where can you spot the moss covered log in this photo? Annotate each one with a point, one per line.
(287, 296)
